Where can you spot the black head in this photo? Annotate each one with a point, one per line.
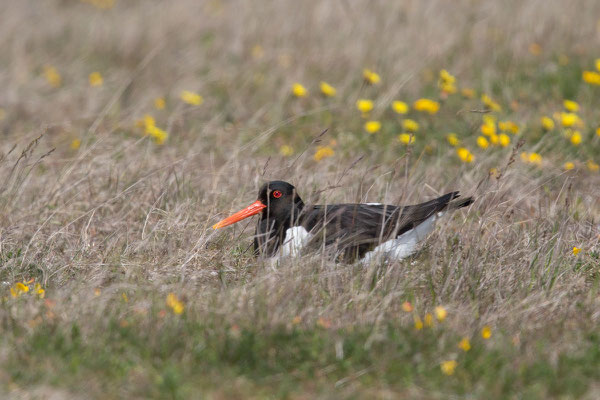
(281, 199)
(277, 200)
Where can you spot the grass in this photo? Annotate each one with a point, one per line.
(110, 227)
(148, 359)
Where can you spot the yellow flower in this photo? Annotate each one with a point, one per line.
(465, 155)
(491, 104)
(372, 126)
(148, 121)
(95, 79)
(299, 91)
(410, 125)
(597, 64)
(323, 152)
(591, 77)
(371, 77)
(406, 138)
(486, 332)
(508, 126)
(452, 139)
(448, 367)
(75, 144)
(494, 139)
(39, 290)
(568, 166)
(504, 125)
(494, 173)
(407, 307)
(18, 289)
(446, 76)
(52, 76)
(21, 287)
(174, 303)
(464, 344)
(576, 138)
(157, 134)
(448, 88)
(286, 150)
(426, 105)
(569, 119)
(418, 323)
(327, 89)
(535, 158)
(597, 131)
(547, 123)
(576, 250)
(400, 107)
(468, 93)
(488, 129)
(124, 297)
(440, 313)
(570, 105)
(482, 142)
(592, 166)
(504, 139)
(447, 82)
(364, 105)
(428, 320)
(191, 98)
(535, 49)
(258, 52)
(160, 103)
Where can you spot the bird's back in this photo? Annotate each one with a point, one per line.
(352, 230)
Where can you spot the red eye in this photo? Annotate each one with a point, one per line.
(277, 194)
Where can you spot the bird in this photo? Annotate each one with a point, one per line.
(361, 232)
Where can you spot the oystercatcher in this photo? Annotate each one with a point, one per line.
(348, 231)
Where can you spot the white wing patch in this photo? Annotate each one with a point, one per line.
(403, 245)
(296, 238)
(374, 204)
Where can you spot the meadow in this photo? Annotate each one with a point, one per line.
(130, 127)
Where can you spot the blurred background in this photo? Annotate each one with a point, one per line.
(129, 127)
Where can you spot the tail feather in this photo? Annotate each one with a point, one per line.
(412, 216)
(456, 204)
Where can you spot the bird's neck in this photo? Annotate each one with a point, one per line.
(286, 218)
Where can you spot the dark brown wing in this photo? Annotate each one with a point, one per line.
(354, 229)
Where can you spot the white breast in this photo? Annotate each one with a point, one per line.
(296, 238)
(403, 245)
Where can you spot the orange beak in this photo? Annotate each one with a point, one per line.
(249, 211)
